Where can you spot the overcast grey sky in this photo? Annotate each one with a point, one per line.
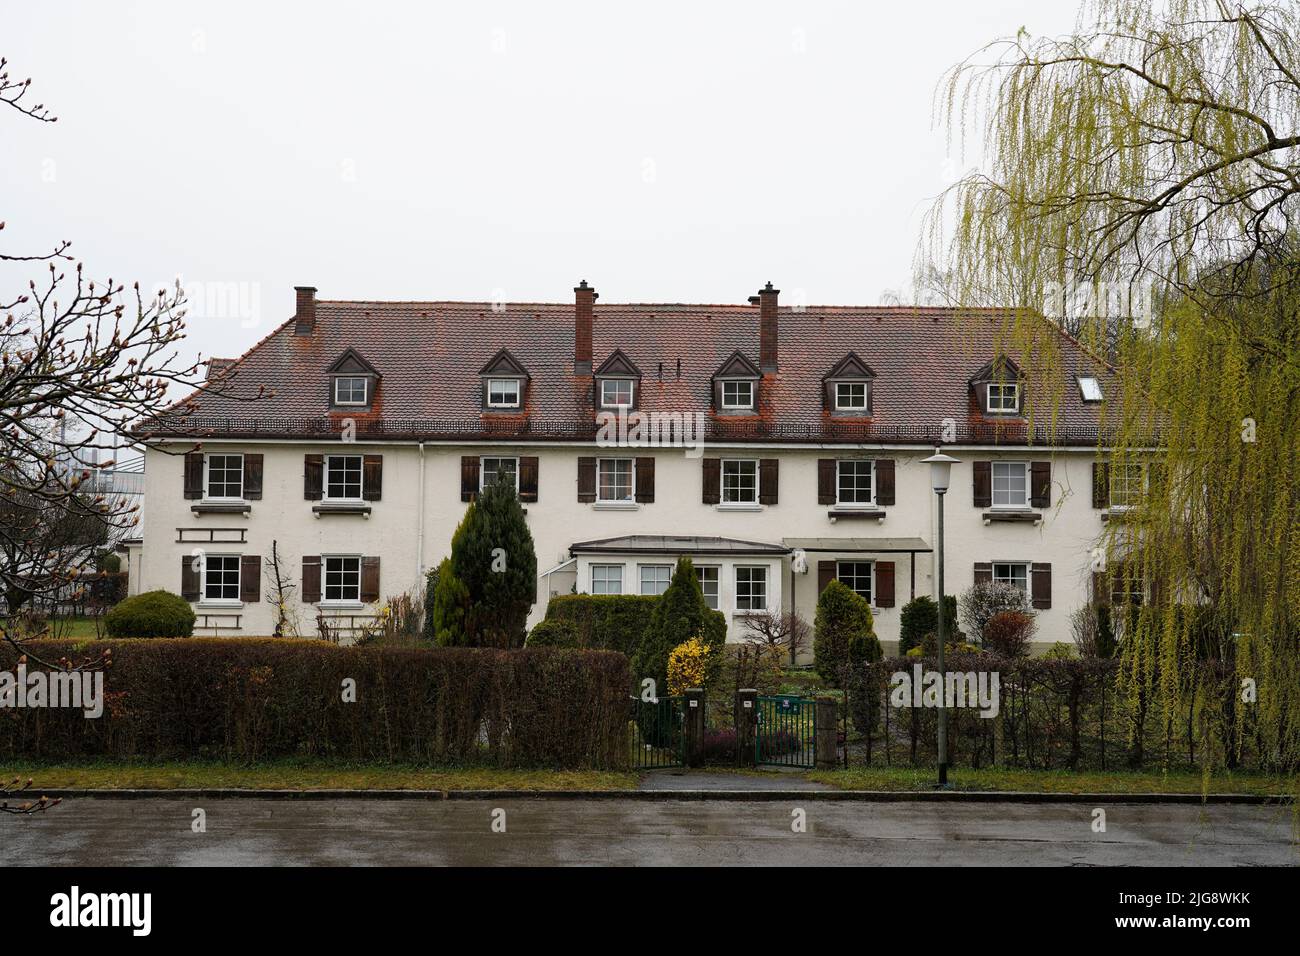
(664, 151)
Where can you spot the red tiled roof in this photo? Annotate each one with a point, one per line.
(429, 354)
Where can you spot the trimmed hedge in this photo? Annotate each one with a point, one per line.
(151, 614)
(553, 632)
(254, 698)
(612, 622)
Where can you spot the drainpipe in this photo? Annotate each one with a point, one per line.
(419, 527)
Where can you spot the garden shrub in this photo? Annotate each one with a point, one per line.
(688, 666)
(842, 615)
(151, 614)
(920, 616)
(610, 622)
(553, 632)
(679, 614)
(260, 698)
(980, 602)
(1008, 633)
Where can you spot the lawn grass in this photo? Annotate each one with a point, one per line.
(300, 775)
(72, 628)
(1058, 781)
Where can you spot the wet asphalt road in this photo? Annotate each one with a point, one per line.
(251, 831)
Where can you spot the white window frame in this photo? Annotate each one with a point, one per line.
(365, 389)
(1090, 389)
(207, 481)
(631, 391)
(483, 470)
(1009, 575)
(717, 584)
(871, 579)
(208, 560)
(325, 560)
(841, 406)
(510, 384)
(361, 479)
(1131, 497)
(643, 568)
(766, 580)
(722, 481)
(1023, 466)
(736, 383)
(871, 468)
(631, 486)
(1001, 407)
(591, 577)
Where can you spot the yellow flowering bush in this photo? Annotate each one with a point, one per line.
(688, 666)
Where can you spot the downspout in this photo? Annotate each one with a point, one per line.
(419, 527)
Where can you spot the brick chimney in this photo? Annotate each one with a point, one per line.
(306, 314)
(583, 316)
(767, 327)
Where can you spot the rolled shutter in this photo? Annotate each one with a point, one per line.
(372, 477)
(1040, 588)
(528, 478)
(884, 593)
(983, 572)
(769, 481)
(825, 575)
(826, 481)
(313, 477)
(250, 578)
(711, 472)
(194, 474)
(884, 482)
(190, 584)
(645, 479)
(253, 477)
(1040, 484)
(982, 472)
(369, 580)
(586, 479)
(1100, 484)
(468, 477)
(310, 578)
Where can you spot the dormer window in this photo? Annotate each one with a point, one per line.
(998, 388)
(503, 393)
(851, 396)
(616, 392)
(847, 388)
(1004, 398)
(617, 381)
(351, 390)
(353, 381)
(737, 395)
(735, 386)
(505, 383)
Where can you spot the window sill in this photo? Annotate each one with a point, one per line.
(744, 615)
(341, 508)
(340, 606)
(616, 505)
(739, 506)
(1013, 516)
(221, 508)
(219, 605)
(1117, 514)
(855, 513)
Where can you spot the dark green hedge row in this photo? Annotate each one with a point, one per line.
(612, 622)
(241, 698)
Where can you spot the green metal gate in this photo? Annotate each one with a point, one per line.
(787, 732)
(657, 733)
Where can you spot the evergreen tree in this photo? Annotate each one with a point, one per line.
(843, 617)
(680, 614)
(450, 607)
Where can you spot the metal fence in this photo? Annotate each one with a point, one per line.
(787, 732)
(656, 733)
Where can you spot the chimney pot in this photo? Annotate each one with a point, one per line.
(584, 298)
(305, 315)
(767, 328)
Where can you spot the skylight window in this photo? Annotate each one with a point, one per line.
(1089, 388)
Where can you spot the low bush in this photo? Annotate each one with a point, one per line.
(553, 632)
(610, 622)
(842, 616)
(1008, 633)
(920, 616)
(151, 614)
(255, 698)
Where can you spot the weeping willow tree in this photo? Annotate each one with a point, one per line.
(1138, 184)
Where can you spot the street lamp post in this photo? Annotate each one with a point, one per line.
(940, 474)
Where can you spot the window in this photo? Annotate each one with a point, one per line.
(1127, 484)
(342, 579)
(225, 476)
(343, 477)
(854, 481)
(1010, 482)
(1017, 574)
(616, 392)
(607, 579)
(751, 589)
(503, 393)
(856, 576)
(221, 577)
(851, 396)
(739, 481)
(1089, 388)
(709, 585)
(500, 469)
(1004, 397)
(655, 578)
(614, 479)
(737, 394)
(350, 390)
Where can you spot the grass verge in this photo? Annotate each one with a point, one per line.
(1058, 781)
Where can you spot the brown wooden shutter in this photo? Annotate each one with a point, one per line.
(372, 477)
(983, 572)
(1100, 484)
(711, 470)
(645, 479)
(528, 478)
(190, 583)
(884, 593)
(769, 480)
(885, 482)
(983, 483)
(1040, 484)
(826, 481)
(369, 580)
(313, 477)
(825, 575)
(468, 477)
(1041, 586)
(250, 578)
(586, 479)
(252, 477)
(310, 578)
(194, 474)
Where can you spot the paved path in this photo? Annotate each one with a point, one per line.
(249, 831)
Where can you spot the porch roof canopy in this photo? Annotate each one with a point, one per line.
(862, 545)
(676, 544)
